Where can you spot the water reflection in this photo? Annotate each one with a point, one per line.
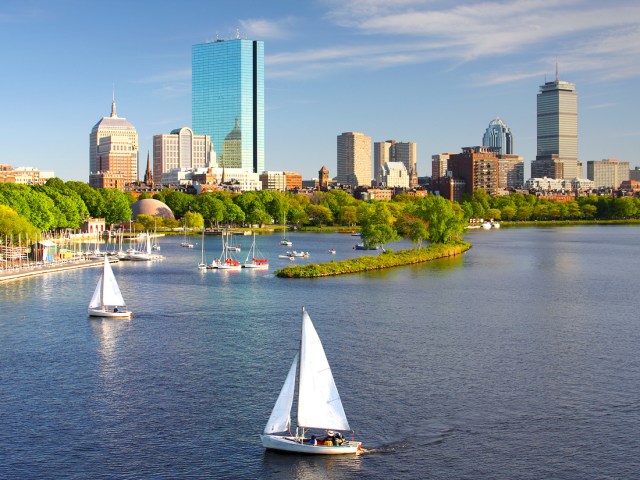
(108, 331)
(311, 467)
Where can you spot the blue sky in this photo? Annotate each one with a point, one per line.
(434, 72)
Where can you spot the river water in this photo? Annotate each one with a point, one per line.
(517, 360)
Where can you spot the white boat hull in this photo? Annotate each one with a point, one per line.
(289, 444)
(101, 312)
(257, 266)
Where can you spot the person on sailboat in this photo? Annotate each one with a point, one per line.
(314, 440)
(115, 309)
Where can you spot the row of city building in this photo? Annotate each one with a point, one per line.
(224, 146)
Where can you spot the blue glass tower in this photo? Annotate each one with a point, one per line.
(227, 95)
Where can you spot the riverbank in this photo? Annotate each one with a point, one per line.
(17, 273)
(379, 262)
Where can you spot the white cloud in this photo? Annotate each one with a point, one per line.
(264, 29)
(588, 36)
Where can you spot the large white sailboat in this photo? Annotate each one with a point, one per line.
(107, 299)
(319, 405)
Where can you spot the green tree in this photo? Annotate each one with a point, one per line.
(90, 196)
(319, 215)
(117, 207)
(348, 215)
(377, 224)
(211, 208)
(12, 224)
(445, 221)
(194, 220)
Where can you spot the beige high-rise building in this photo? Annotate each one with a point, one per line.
(607, 173)
(381, 156)
(354, 159)
(557, 137)
(113, 147)
(181, 149)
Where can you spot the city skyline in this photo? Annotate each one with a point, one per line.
(427, 72)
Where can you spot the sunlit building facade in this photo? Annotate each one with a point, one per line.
(607, 173)
(181, 149)
(228, 100)
(113, 148)
(354, 159)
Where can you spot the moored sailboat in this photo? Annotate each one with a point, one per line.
(254, 258)
(319, 404)
(107, 299)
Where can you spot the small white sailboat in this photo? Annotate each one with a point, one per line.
(107, 299)
(285, 241)
(202, 265)
(254, 258)
(186, 243)
(319, 405)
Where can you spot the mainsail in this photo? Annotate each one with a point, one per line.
(280, 419)
(319, 404)
(107, 291)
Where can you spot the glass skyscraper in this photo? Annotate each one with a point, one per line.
(498, 135)
(227, 95)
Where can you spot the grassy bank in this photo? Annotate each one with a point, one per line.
(368, 263)
(565, 223)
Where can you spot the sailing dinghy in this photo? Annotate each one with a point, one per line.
(107, 300)
(319, 405)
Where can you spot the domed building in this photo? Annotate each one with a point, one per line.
(151, 207)
(498, 135)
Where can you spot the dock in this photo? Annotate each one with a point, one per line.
(16, 273)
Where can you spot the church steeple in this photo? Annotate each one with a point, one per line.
(148, 175)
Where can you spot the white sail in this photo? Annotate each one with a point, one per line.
(319, 404)
(280, 419)
(96, 300)
(110, 292)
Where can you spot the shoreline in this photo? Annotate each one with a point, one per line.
(18, 273)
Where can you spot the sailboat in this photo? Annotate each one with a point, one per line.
(254, 259)
(226, 260)
(107, 300)
(285, 241)
(202, 265)
(185, 243)
(319, 405)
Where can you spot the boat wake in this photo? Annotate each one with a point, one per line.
(386, 448)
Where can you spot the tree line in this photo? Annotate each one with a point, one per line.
(66, 205)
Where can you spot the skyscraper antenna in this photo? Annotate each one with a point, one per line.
(237, 33)
(556, 71)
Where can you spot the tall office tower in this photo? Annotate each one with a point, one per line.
(354, 159)
(498, 135)
(113, 147)
(227, 94)
(181, 149)
(558, 130)
(381, 155)
(607, 173)
(439, 165)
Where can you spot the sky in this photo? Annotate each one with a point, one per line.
(433, 72)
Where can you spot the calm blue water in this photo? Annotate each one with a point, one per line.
(517, 360)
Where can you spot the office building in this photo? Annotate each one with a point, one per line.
(510, 171)
(394, 151)
(395, 175)
(439, 165)
(354, 159)
(228, 100)
(478, 166)
(635, 174)
(181, 149)
(113, 148)
(607, 173)
(557, 137)
(498, 135)
(24, 175)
